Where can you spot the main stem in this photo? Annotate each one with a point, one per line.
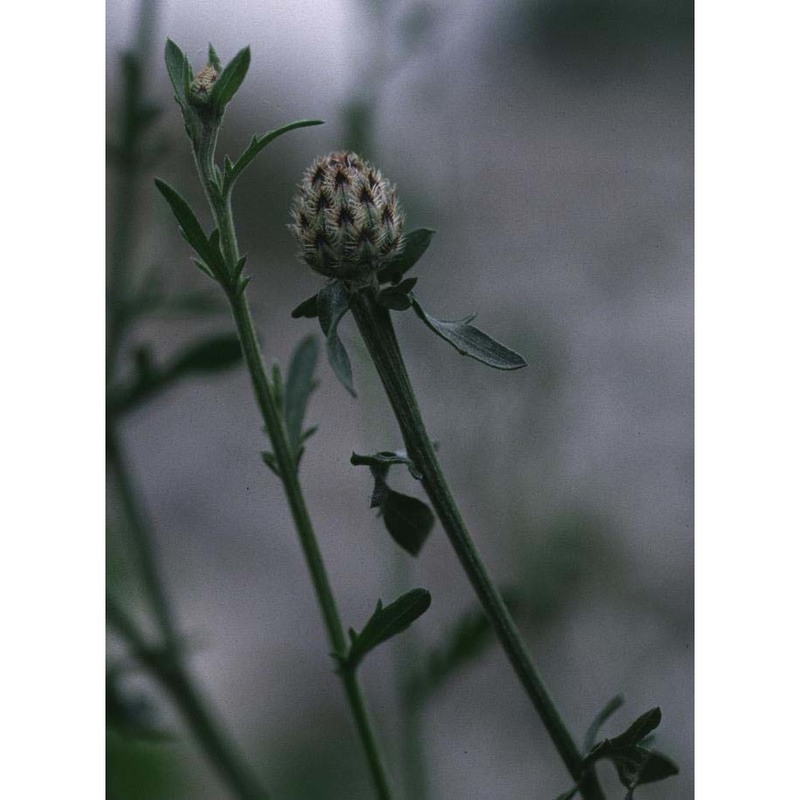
(287, 466)
(375, 325)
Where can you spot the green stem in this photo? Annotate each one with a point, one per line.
(375, 325)
(286, 461)
(169, 671)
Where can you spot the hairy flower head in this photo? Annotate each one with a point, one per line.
(203, 82)
(346, 218)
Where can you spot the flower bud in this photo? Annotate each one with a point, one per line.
(346, 218)
(202, 84)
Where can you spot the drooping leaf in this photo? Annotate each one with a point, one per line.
(230, 79)
(657, 767)
(469, 341)
(613, 705)
(257, 144)
(397, 297)
(300, 383)
(386, 623)
(416, 243)
(408, 520)
(178, 71)
(333, 301)
(211, 355)
(308, 309)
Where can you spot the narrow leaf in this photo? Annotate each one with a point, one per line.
(230, 79)
(394, 299)
(214, 354)
(570, 794)
(408, 520)
(190, 227)
(257, 144)
(387, 457)
(386, 623)
(469, 341)
(213, 58)
(416, 243)
(613, 705)
(333, 302)
(308, 308)
(269, 459)
(300, 383)
(177, 69)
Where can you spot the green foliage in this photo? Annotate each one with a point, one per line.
(179, 71)
(333, 301)
(213, 354)
(230, 79)
(300, 383)
(257, 144)
(309, 309)
(613, 705)
(397, 297)
(469, 341)
(416, 243)
(384, 624)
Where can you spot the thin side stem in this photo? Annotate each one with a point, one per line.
(287, 466)
(375, 325)
(170, 673)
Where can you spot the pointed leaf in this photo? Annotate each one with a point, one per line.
(213, 58)
(300, 383)
(386, 623)
(416, 243)
(230, 79)
(638, 729)
(333, 302)
(269, 459)
(613, 705)
(394, 299)
(257, 144)
(469, 341)
(657, 767)
(308, 309)
(178, 70)
(408, 520)
(384, 457)
(570, 794)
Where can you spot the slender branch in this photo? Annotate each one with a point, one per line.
(167, 668)
(375, 325)
(285, 458)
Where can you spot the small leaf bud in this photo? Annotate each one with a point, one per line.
(346, 218)
(202, 84)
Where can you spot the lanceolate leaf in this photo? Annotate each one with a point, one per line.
(257, 144)
(386, 623)
(308, 308)
(333, 302)
(416, 243)
(178, 70)
(300, 383)
(213, 58)
(230, 79)
(469, 341)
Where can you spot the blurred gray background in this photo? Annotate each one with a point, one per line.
(549, 143)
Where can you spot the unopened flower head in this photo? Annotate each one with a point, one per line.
(203, 83)
(346, 217)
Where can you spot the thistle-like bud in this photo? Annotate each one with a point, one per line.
(346, 217)
(202, 84)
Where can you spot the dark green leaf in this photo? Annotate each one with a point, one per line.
(657, 767)
(608, 709)
(214, 354)
(204, 268)
(333, 302)
(190, 228)
(470, 341)
(394, 299)
(178, 71)
(213, 58)
(230, 79)
(408, 520)
(128, 713)
(257, 144)
(269, 459)
(638, 729)
(300, 383)
(308, 309)
(386, 623)
(416, 243)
